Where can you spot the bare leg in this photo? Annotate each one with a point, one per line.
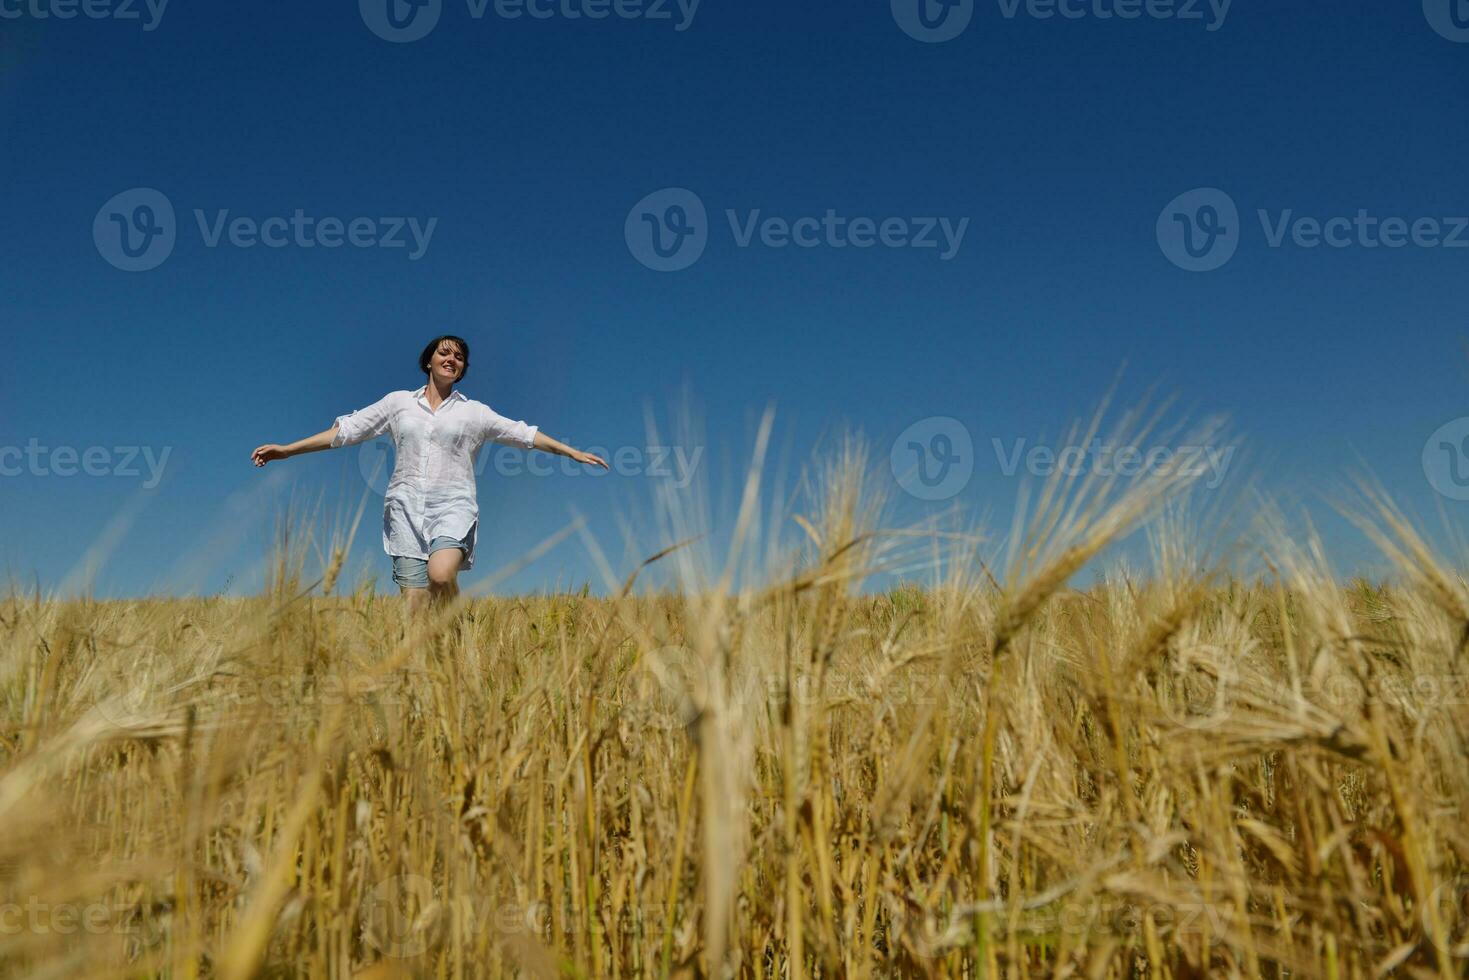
(443, 572)
(417, 600)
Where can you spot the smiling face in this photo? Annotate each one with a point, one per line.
(447, 363)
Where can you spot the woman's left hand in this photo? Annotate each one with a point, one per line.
(589, 458)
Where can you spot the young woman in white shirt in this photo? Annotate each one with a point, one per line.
(431, 510)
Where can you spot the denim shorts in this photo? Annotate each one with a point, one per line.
(412, 573)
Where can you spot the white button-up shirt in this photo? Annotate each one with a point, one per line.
(432, 490)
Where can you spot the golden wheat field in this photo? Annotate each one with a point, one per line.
(1180, 772)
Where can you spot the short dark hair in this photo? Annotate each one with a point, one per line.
(433, 346)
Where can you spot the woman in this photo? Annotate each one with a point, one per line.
(431, 513)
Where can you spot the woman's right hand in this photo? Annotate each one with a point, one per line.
(264, 454)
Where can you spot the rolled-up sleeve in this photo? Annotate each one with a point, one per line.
(365, 423)
(508, 432)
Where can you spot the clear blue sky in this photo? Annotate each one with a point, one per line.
(530, 140)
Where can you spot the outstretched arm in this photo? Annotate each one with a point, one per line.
(311, 444)
(347, 430)
(545, 443)
(497, 428)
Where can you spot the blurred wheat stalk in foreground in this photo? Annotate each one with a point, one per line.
(1173, 776)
